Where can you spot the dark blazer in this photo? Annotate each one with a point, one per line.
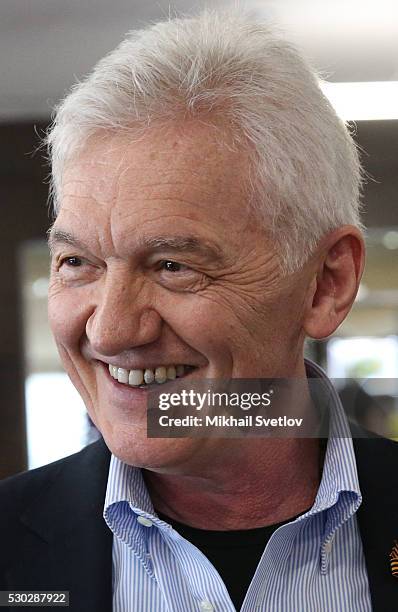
(53, 536)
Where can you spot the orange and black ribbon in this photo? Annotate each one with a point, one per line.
(394, 560)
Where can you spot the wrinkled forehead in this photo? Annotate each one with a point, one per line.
(188, 178)
(193, 152)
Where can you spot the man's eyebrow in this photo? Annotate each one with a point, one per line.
(178, 244)
(182, 244)
(55, 235)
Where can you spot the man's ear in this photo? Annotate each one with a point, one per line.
(339, 261)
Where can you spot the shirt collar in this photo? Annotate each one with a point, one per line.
(339, 495)
(339, 469)
(126, 483)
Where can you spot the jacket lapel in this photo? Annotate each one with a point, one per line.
(378, 516)
(67, 545)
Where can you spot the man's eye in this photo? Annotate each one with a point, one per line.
(172, 266)
(73, 262)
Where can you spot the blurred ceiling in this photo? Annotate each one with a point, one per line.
(46, 45)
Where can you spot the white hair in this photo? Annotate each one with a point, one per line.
(305, 177)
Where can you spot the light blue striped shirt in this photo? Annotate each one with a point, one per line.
(313, 564)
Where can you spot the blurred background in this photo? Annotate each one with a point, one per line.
(45, 46)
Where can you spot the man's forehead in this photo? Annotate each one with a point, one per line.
(160, 152)
(82, 179)
(95, 171)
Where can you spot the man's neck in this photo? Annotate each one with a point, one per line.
(276, 480)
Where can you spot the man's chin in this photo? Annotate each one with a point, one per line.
(157, 454)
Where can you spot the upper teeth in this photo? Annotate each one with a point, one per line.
(147, 376)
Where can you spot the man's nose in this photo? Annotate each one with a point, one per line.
(123, 317)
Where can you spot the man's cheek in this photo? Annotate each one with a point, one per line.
(67, 319)
(56, 316)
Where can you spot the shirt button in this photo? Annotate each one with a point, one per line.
(144, 521)
(328, 546)
(206, 606)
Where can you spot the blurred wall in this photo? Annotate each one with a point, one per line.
(23, 197)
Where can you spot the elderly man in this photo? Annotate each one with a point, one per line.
(206, 204)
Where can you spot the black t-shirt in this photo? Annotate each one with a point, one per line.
(234, 554)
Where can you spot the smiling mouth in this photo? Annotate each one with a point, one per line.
(142, 378)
